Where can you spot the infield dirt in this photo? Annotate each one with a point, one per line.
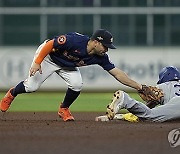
(44, 132)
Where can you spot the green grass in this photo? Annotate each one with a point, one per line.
(39, 101)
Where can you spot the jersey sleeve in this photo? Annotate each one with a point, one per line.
(46, 49)
(106, 63)
(62, 42)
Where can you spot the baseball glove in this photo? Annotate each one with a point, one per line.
(151, 95)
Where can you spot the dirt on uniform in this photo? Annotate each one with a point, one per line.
(44, 132)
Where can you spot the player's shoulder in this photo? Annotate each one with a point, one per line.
(77, 37)
(168, 85)
(162, 85)
(105, 58)
(71, 37)
(76, 34)
(63, 39)
(172, 83)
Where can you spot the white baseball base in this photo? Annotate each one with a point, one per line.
(105, 118)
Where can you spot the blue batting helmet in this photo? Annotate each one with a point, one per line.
(169, 73)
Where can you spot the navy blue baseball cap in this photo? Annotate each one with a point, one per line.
(169, 73)
(105, 37)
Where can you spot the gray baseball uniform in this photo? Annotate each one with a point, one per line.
(170, 108)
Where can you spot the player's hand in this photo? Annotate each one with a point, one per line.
(34, 68)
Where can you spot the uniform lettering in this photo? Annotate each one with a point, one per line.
(65, 53)
(177, 86)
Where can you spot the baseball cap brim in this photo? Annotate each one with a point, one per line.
(111, 46)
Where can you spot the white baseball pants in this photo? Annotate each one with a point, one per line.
(169, 111)
(71, 76)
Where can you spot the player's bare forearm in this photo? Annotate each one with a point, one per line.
(124, 78)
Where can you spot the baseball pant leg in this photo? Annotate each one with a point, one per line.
(168, 111)
(161, 113)
(72, 77)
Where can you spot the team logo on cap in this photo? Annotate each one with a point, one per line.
(100, 38)
(111, 39)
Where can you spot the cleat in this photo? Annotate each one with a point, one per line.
(130, 117)
(65, 114)
(6, 101)
(116, 104)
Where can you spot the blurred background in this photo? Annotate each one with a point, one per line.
(146, 32)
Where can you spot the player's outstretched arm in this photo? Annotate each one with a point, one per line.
(124, 78)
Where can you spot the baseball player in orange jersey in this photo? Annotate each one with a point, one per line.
(63, 55)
